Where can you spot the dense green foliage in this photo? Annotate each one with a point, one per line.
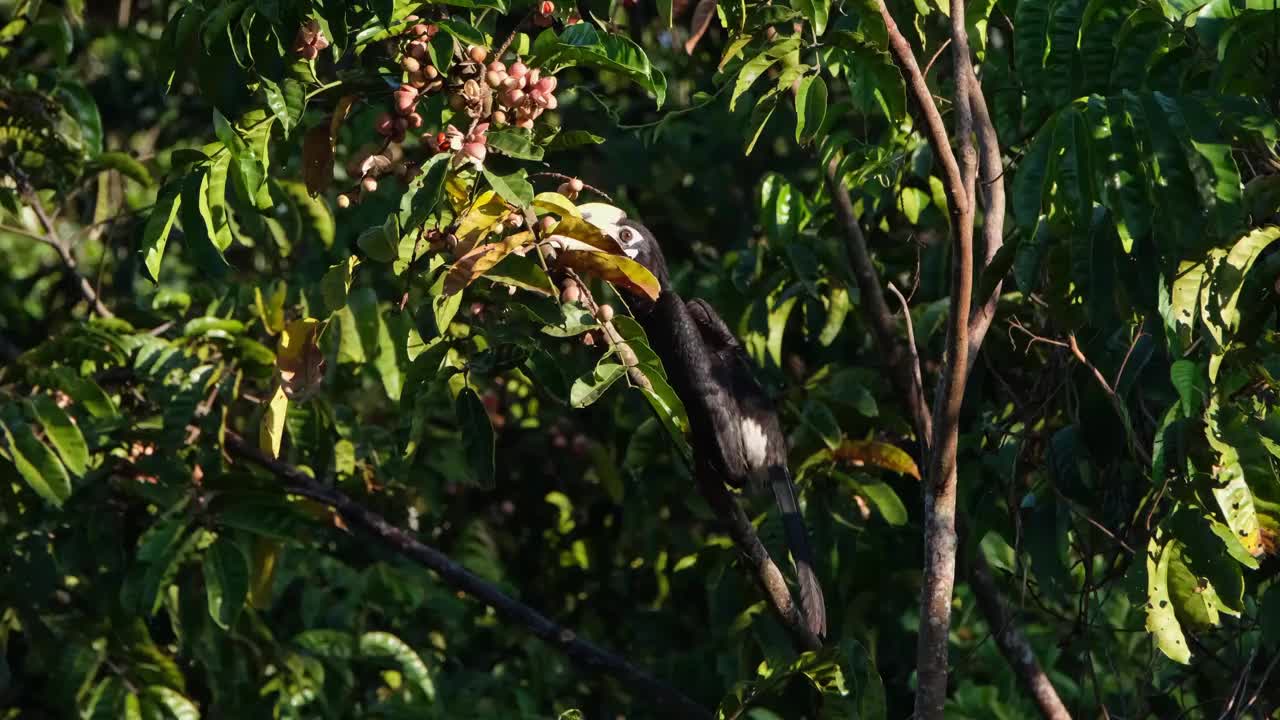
(191, 251)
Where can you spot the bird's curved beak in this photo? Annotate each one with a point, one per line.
(608, 219)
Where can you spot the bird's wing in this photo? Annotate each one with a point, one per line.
(698, 377)
(763, 441)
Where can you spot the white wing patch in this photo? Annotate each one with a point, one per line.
(754, 443)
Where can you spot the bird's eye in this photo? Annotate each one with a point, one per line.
(625, 235)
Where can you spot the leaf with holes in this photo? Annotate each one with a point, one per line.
(1162, 623)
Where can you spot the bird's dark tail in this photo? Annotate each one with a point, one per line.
(812, 603)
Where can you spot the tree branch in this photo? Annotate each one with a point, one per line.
(991, 172)
(642, 685)
(963, 342)
(51, 239)
(1012, 643)
(875, 311)
(766, 573)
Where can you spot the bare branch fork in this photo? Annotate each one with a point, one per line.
(68, 259)
(644, 687)
(967, 327)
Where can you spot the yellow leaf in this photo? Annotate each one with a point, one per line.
(860, 453)
(583, 231)
(263, 573)
(480, 260)
(616, 269)
(487, 211)
(271, 431)
(299, 361)
(553, 202)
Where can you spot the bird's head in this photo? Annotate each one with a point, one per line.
(636, 241)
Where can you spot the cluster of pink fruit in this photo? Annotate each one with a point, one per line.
(423, 78)
(523, 93)
(309, 41)
(468, 147)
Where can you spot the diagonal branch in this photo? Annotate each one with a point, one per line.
(763, 569)
(643, 686)
(875, 310)
(51, 239)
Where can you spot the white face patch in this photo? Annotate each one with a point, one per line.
(754, 443)
(608, 219)
(630, 241)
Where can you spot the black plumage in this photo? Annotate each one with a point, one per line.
(732, 419)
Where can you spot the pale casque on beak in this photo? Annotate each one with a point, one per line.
(609, 220)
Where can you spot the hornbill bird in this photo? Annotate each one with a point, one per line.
(733, 421)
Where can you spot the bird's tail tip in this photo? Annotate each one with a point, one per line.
(813, 604)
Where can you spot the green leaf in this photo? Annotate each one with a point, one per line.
(178, 705)
(583, 44)
(314, 211)
(62, 433)
(155, 235)
(1030, 183)
(664, 12)
(477, 436)
(336, 283)
(160, 549)
(571, 139)
(778, 316)
(383, 644)
(380, 243)
(84, 109)
(464, 32)
(375, 336)
(36, 463)
(84, 391)
(1190, 382)
(331, 644)
(198, 224)
(1269, 615)
(226, 580)
(756, 66)
(811, 107)
(287, 101)
(1220, 296)
(1162, 623)
(838, 305)
(588, 388)
(126, 165)
(425, 192)
(513, 188)
(271, 427)
(1230, 484)
(885, 500)
(515, 143)
(522, 272)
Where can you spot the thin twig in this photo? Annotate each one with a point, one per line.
(1123, 414)
(643, 686)
(875, 310)
(912, 351)
(565, 178)
(64, 252)
(619, 344)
